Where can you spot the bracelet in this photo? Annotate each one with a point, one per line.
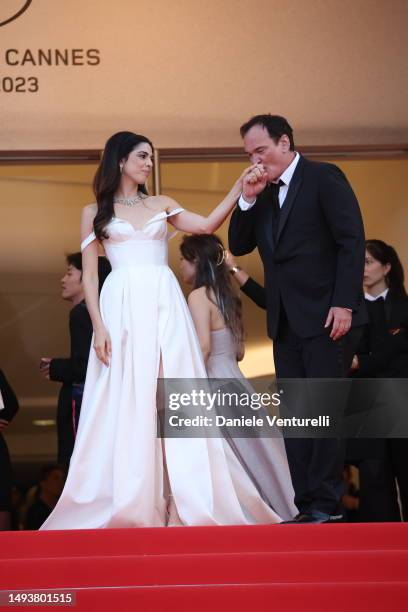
(234, 270)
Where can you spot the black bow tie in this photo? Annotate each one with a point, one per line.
(274, 187)
(276, 209)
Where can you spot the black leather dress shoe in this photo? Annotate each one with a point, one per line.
(314, 516)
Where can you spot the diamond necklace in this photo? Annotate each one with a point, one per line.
(132, 201)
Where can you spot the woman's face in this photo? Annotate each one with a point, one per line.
(139, 163)
(374, 271)
(187, 271)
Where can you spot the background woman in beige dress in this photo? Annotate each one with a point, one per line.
(217, 316)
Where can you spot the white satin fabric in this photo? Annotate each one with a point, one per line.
(116, 476)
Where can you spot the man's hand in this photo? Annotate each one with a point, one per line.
(254, 182)
(341, 319)
(45, 367)
(3, 424)
(229, 260)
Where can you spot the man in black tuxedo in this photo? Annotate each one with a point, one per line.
(305, 221)
(8, 409)
(71, 371)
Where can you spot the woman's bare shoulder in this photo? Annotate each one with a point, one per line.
(198, 296)
(161, 203)
(90, 210)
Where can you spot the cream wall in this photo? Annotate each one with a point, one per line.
(381, 188)
(188, 73)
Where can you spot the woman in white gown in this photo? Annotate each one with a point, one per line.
(121, 474)
(217, 315)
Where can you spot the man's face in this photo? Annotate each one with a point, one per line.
(262, 149)
(54, 483)
(71, 284)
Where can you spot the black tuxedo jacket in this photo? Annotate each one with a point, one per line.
(255, 292)
(383, 352)
(72, 369)
(318, 258)
(9, 399)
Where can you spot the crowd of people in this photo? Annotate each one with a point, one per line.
(336, 307)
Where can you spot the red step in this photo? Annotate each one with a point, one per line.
(328, 597)
(324, 568)
(332, 597)
(218, 568)
(175, 540)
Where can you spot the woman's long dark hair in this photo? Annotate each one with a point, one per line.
(107, 177)
(386, 254)
(207, 252)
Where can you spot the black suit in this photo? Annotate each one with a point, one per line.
(69, 371)
(255, 292)
(7, 414)
(383, 354)
(316, 262)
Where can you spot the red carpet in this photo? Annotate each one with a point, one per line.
(280, 567)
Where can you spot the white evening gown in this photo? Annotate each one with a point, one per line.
(116, 476)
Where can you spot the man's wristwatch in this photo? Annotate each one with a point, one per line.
(234, 270)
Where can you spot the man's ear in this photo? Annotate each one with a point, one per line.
(284, 142)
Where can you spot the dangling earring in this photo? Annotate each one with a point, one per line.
(221, 256)
(121, 168)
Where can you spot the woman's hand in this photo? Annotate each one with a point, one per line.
(254, 180)
(102, 345)
(197, 224)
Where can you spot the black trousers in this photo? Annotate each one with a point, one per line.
(65, 428)
(5, 477)
(316, 464)
(382, 465)
(378, 490)
(398, 450)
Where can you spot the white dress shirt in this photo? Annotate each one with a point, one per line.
(285, 177)
(372, 298)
